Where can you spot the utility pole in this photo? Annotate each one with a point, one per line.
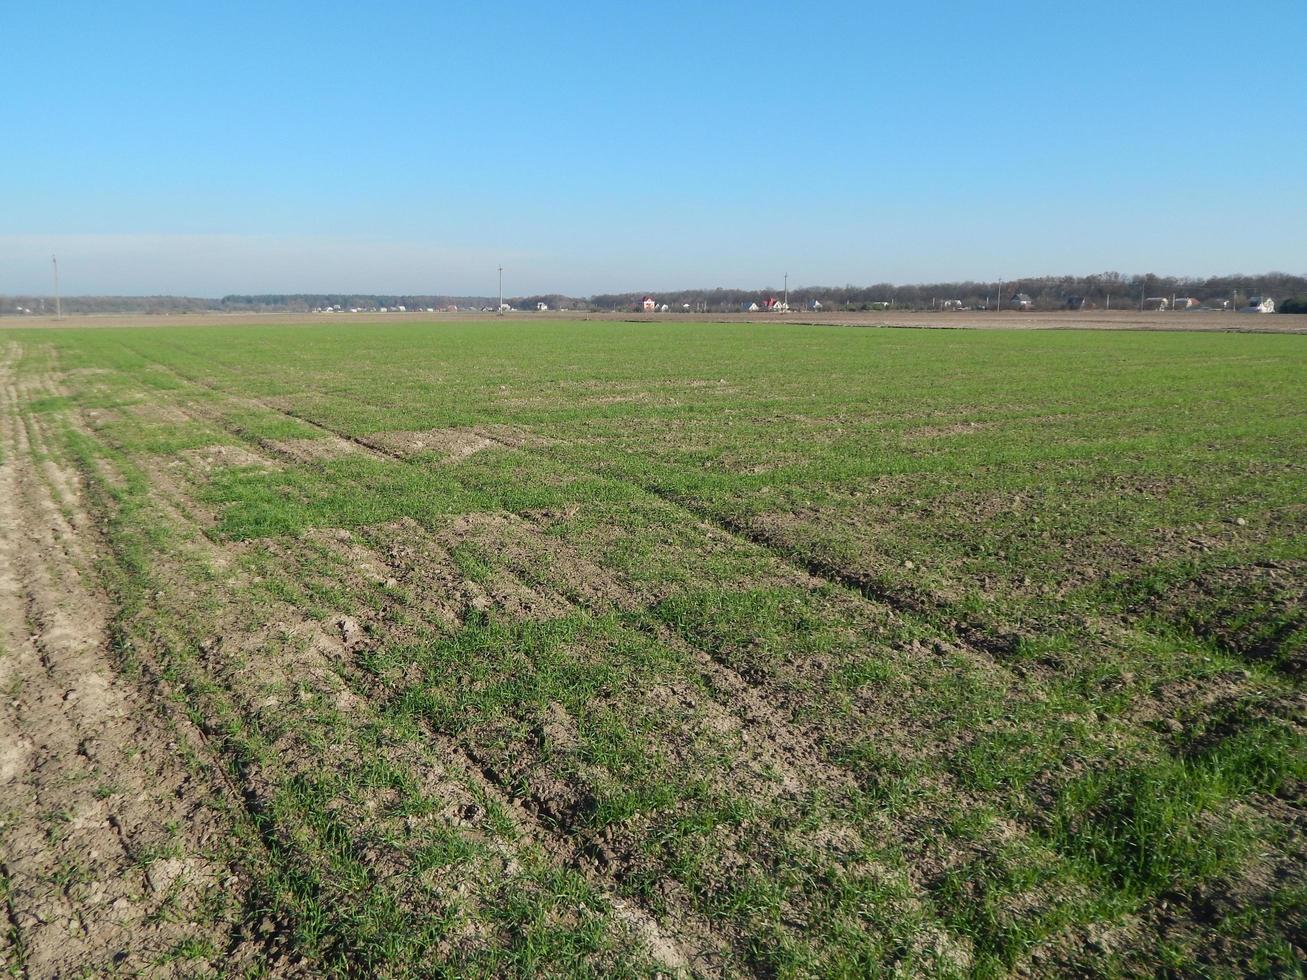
(58, 310)
(786, 308)
(499, 310)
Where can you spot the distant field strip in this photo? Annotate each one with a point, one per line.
(692, 649)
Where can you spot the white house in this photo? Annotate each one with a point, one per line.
(541, 307)
(1259, 304)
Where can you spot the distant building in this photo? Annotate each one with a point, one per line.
(1076, 303)
(648, 304)
(1020, 301)
(541, 306)
(1158, 304)
(1185, 303)
(1259, 304)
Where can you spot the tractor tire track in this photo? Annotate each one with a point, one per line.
(109, 845)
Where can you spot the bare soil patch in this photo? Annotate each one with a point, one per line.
(160, 412)
(315, 450)
(450, 445)
(112, 857)
(951, 429)
(214, 457)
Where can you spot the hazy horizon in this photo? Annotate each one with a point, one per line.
(113, 257)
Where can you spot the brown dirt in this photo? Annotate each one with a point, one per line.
(160, 412)
(109, 849)
(952, 429)
(451, 445)
(212, 457)
(1093, 320)
(314, 450)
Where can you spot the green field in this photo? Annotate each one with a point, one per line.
(522, 648)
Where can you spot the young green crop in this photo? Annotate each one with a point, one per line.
(735, 649)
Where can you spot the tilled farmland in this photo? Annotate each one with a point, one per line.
(552, 648)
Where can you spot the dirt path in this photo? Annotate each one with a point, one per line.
(106, 844)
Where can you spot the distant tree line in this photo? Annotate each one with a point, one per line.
(1107, 289)
(107, 304)
(305, 302)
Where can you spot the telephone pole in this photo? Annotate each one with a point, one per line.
(786, 308)
(58, 310)
(500, 308)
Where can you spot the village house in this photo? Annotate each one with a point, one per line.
(1259, 304)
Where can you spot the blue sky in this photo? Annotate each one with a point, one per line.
(206, 148)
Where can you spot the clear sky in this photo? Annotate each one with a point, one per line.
(206, 148)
